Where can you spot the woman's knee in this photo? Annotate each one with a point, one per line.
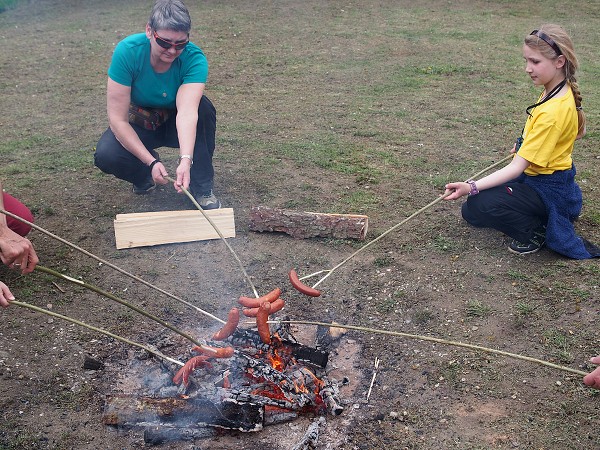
(107, 151)
(17, 208)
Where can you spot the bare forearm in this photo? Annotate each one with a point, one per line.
(186, 131)
(501, 176)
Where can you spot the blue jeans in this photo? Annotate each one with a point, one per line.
(111, 157)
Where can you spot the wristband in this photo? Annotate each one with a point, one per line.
(151, 165)
(474, 190)
(187, 157)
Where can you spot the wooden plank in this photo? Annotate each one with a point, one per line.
(168, 227)
(183, 213)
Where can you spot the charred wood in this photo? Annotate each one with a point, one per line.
(311, 437)
(127, 411)
(90, 363)
(158, 435)
(329, 393)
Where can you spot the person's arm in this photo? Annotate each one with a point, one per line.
(188, 101)
(507, 173)
(15, 250)
(593, 379)
(5, 295)
(118, 98)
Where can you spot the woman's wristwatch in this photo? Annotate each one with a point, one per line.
(187, 157)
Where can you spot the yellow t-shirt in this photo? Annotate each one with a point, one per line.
(549, 136)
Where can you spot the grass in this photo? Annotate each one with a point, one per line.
(558, 344)
(368, 107)
(475, 308)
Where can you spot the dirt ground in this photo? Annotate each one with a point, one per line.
(286, 129)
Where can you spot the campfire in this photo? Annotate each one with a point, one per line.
(244, 381)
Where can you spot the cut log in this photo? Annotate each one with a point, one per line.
(126, 411)
(304, 225)
(168, 227)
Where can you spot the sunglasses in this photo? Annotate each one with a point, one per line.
(168, 44)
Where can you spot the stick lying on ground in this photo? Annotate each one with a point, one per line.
(433, 339)
(99, 330)
(118, 269)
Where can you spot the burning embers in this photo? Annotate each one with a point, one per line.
(243, 382)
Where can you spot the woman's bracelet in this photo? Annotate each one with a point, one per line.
(151, 165)
(474, 190)
(186, 157)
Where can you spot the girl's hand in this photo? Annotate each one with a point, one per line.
(457, 190)
(593, 379)
(5, 295)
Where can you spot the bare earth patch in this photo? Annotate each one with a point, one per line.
(336, 107)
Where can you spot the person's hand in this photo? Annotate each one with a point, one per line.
(183, 174)
(159, 172)
(5, 295)
(16, 251)
(457, 190)
(514, 148)
(593, 379)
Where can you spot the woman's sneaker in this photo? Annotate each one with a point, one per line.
(208, 200)
(145, 187)
(535, 243)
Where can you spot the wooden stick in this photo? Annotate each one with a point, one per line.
(124, 303)
(381, 236)
(374, 376)
(99, 330)
(438, 340)
(191, 197)
(118, 269)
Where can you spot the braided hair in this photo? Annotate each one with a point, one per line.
(561, 38)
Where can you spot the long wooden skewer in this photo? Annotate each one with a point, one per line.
(91, 287)
(382, 235)
(433, 339)
(206, 216)
(118, 269)
(99, 330)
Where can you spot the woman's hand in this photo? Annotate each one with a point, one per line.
(159, 172)
(5, 295)
(593, 379)
(457, 190)
(183, 174)
(16, 251)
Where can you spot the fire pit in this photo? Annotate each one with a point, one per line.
(260, 385)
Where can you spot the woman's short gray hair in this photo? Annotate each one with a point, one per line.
(170, 15)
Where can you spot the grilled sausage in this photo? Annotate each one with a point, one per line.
(233, 318)
(250, 302)
(261, 322)
(215, 352)
(299, 286)
(277, 305)
(192, 364)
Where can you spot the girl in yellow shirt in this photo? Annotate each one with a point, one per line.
(535, 198)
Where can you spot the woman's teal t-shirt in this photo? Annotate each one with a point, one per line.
(130, 66)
